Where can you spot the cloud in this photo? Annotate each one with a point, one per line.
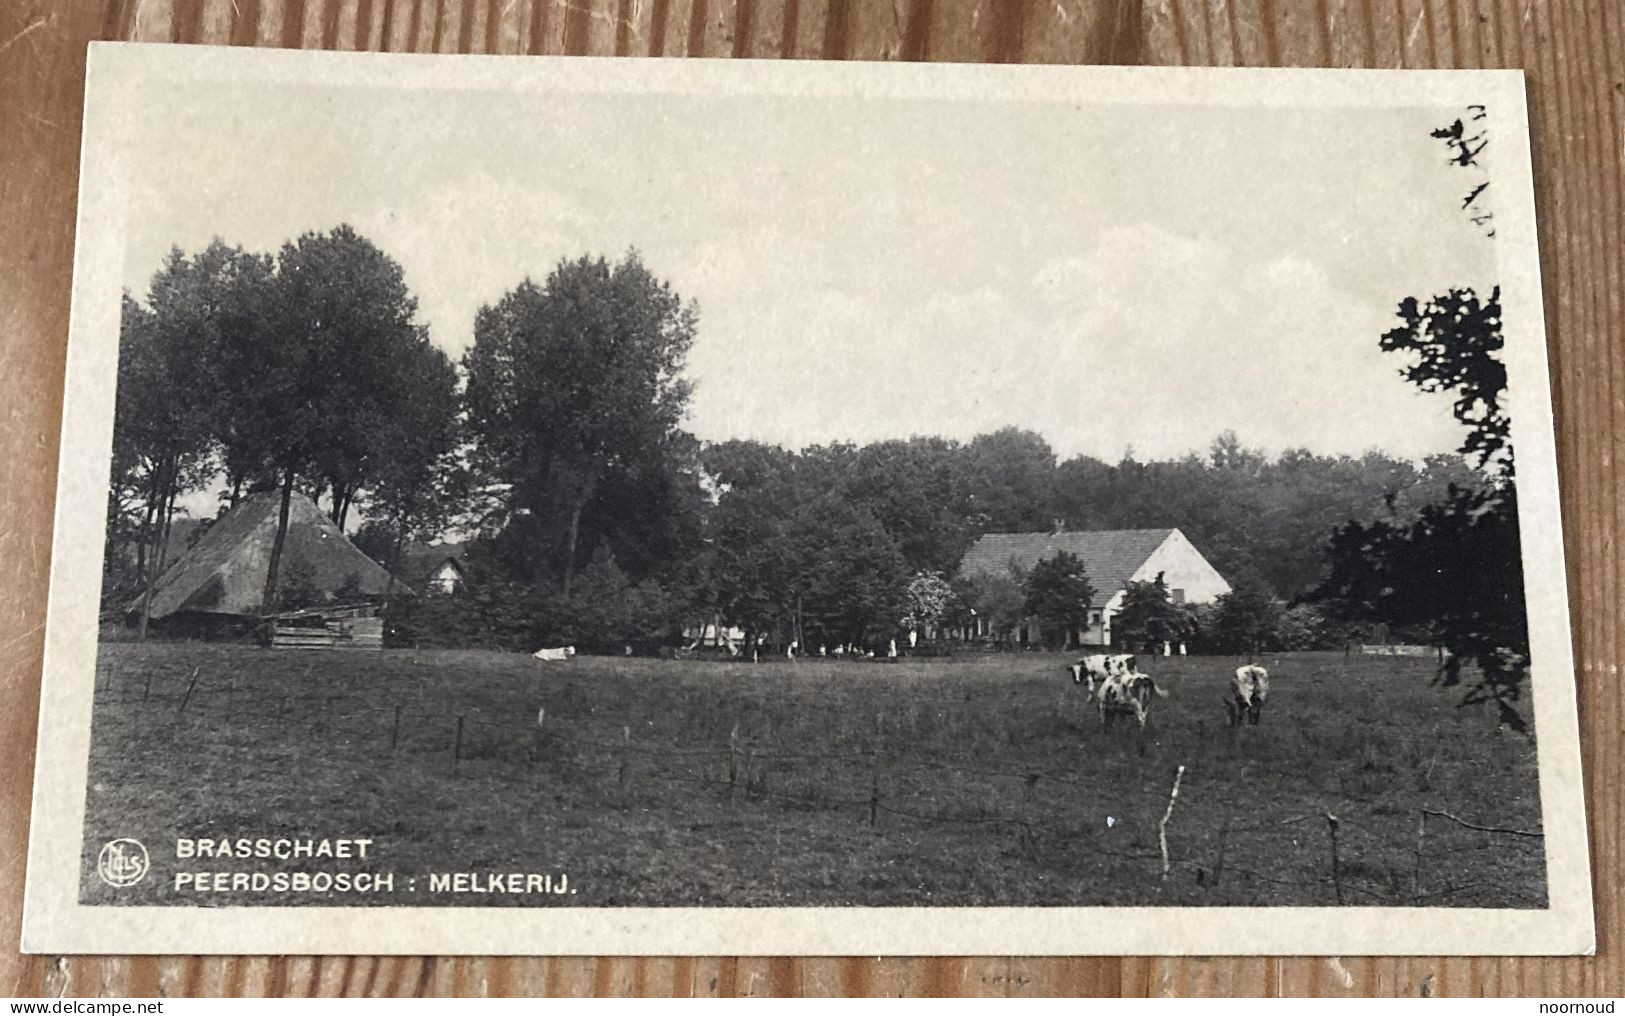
(1148, 339)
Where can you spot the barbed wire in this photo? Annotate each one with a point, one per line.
(405, 723)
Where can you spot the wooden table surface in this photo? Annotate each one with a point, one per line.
(1573, 51)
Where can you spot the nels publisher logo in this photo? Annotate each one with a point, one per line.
(122, 862)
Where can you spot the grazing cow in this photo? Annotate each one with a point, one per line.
(1248, 689)
(1092, 670)
(1126, 693)
(555, 655)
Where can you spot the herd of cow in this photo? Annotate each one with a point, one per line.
(1116, 686)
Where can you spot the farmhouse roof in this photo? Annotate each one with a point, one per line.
(419, 561)
(1110, 556)
(224, 572)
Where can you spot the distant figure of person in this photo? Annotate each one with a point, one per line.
(1167, 650)
(1182, 649)
(913, 637)
(823, 650)
(891, 650)
(790, 650)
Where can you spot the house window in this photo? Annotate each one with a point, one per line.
(1176, 595)
(1094, 617)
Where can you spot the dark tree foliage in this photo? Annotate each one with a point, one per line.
(1000, 599)
(377, 540)
(300, 372)
(1250, 513)
(1247, 619)
(1009, 482)
(1148, 617)
(790, 558)
(651, 515)
(571, 383)
(325, 374)
(1455, 572)
(1456, 568)
(918, 491)
(1466, 139)
(171, 404)
(1058, 594)
(1455, 340)
(606, 612)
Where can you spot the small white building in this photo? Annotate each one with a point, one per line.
(435, 567)
(1112, 558)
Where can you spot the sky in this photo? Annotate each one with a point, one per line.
(1113, 278)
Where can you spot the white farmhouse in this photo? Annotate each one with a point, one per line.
(1112, 558)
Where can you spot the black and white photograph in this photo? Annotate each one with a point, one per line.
(543, 493)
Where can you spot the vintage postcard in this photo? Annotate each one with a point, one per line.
(648, 507)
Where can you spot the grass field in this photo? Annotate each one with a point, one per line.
(975, 781)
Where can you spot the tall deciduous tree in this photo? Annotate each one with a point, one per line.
(917, 489)
(415, 475)
(318, 371)
(573, 380)
(1058, 594)
(170, 400)
(1009, 478)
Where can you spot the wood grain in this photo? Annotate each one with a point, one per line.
(1573, 51)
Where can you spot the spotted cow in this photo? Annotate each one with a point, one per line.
(1249, 687)
(1090, 671)
(1126, 693)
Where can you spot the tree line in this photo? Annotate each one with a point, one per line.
(557, 446)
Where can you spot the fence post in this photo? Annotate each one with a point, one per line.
(1416, 875)
(395, 731)
(189, 687)
(874, 769)
(626, 748)
(1029, 827)
(1218, 862)
(1337, 863)
(1162, 827)
(733, 761)
(874, 791)
(457, 746)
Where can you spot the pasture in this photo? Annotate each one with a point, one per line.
(980, 780)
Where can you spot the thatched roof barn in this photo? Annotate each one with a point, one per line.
(224, 572)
